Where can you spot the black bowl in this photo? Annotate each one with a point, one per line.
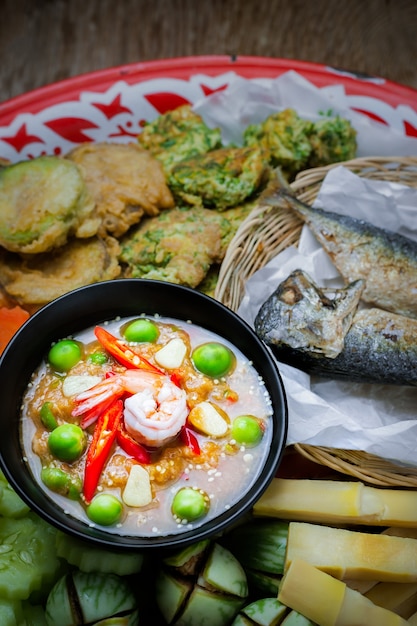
(92, 305)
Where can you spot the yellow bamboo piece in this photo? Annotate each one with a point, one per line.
(329, 602)
(337, 502)
(349, 554)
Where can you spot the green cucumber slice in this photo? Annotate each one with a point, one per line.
(28, 560)
(88, 558)
(11, 505)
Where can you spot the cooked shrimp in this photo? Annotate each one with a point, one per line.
(154, 413)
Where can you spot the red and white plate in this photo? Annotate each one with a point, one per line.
(113, 104)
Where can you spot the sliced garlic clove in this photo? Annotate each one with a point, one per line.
(73, 385)
(209, 419)
(138, 491)
(172, 354)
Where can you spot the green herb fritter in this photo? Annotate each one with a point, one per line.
(294, 143)
(221, 178)
(177, 246)
(332, 139)
(177, 135)
(284, 137)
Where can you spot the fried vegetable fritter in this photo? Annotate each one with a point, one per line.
(178, 135)
(125, 181)
(34, 280)
(178, 246)
(220, 179)
(333, 139)
(284, 137)
(42, 202)
(293, 143)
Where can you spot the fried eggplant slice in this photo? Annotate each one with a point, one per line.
(221, 178)
(42, 202)
(333, 139)
(37, 279)
(284, 136)
(178, 246)
(125, 181)
(177, 135)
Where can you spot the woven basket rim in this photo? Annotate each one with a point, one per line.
(264, 234)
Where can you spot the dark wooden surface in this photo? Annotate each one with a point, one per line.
(42, 41)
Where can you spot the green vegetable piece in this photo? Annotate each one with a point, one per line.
(61, 482)
(260, 545)
(89, 558)
(10, 612)
(247, 430)
(296, 619)
(141, 330)
(47, 416)
(170, 594)
(33, 615)
(224, 572)
(28, 560)
(67, 442)
(105, 509)
(213, 359)
(97, 597)
(264, 612)
(264, 584)
(191, 554)
(98, 358)
(11, 505)
(190, 504)
(113, 621)
(208, 608)
(64, 355)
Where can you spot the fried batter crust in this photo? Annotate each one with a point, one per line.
(126, 182)
(178, 246)
(37, 279)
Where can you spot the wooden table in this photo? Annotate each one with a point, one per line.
(42, 41)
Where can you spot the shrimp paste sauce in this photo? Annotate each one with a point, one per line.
(175, 426)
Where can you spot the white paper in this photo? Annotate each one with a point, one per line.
(379, 419)
(251, 101)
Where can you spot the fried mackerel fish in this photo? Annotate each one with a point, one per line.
(125, 182)
(324, 332)
(177, 135)
(34, 280)
(43, 202)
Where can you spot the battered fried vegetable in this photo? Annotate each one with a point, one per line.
(178, 246)
(37, 279)
(125, 181)
(294, 143)
(333, 139)
(220, 179)
(178, 135)
(42, 202)
(284, 137)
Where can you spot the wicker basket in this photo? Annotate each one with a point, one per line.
(264, 234)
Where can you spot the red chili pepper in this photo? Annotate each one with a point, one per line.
(103, 438)
(190, 440)
(176, 378)
(122, 352)
(132, 447)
